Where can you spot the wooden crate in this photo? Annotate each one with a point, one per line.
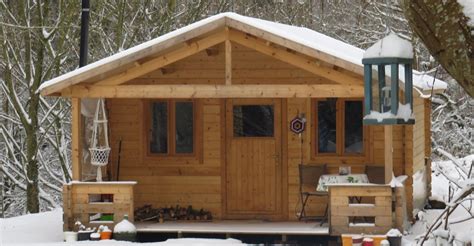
(78, 206)
(386, 209)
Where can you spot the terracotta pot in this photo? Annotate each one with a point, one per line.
(105, 235)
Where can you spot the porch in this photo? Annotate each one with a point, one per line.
(232, 227)
(379, 209)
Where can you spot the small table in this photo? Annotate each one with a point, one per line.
(324, 180)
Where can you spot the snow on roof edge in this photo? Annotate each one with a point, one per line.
(132, 50)
(301, 35)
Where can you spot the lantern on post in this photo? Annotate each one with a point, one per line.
(382, 103)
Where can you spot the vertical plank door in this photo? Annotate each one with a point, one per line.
(253, 158)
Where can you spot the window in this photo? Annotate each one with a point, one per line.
(338, 128)
(172, 127)
(253, 120)
(327, 114)
(353, 128)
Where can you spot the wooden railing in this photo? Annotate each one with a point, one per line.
(96, 203)
(365, 208)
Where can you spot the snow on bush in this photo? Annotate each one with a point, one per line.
(453, 184)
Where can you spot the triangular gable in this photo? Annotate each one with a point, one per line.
(302, 40)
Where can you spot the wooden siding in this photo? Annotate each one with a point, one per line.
(166, 183)
(374, 157)
(419, 170)
(248, 67)
(200, 183)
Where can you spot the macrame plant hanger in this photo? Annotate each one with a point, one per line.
(100, 149)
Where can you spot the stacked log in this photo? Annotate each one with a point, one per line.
(172, 213)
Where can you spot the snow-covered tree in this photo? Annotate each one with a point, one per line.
(35, 41)
(446, 28)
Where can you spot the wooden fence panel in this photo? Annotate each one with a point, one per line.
(365, 208)
(78, 204)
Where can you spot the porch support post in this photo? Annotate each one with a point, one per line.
(388, 130)
(76, 127)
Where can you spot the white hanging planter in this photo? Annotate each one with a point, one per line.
(100, 150)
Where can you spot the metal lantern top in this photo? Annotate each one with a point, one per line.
(394, 55)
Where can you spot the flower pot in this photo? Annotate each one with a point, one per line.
(105, 235)
(125, 230)
(395, 241)
(70, 236)
(95, 236)
(84, 235)
(368, 242)
(357, 240)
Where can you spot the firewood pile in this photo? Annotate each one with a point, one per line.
(172, 213)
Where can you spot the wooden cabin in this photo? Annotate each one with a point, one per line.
(203, 114)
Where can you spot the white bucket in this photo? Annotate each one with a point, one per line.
(70, 236)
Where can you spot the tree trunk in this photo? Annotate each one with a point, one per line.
(32, 189)
(443, 28)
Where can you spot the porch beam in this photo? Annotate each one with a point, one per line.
(76, 147)
(140, 69)
(289, 56)
(388, 152)
(215, 91)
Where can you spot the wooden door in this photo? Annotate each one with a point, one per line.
(253, 158)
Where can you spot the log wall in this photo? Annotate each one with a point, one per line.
(199, 182)
(165, 182)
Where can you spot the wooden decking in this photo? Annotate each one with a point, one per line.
(235, 227)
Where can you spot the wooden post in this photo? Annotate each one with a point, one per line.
(367, 88)
(388, 130)
(394, 89)
(228, 58)
(381, 77)
(76, 138)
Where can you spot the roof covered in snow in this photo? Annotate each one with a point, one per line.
(390, 46)
(300, 39)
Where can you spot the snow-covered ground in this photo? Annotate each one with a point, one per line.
(46, 228)
(439, 188)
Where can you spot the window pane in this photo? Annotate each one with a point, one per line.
(184, 127)
(327, 126)
(253, 121)
(159, 128)
(353, 129)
